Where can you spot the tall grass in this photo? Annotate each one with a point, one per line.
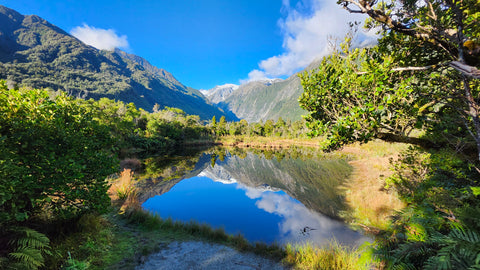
(122, 187)
(333, 256)
(123, 191)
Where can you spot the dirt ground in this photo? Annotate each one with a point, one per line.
(197, 255)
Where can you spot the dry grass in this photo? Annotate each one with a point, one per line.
(369, 202)
(123, 192)
(265, 142)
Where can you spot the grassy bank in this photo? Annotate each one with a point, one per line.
(124, 241)
(265, 142)
(370, 205)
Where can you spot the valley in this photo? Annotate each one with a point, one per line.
(367, 158)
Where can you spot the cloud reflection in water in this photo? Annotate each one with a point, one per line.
(299, 224)
(261, 213)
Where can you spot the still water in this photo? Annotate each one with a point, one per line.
(274, 200)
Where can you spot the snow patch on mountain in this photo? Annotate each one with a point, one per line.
(220, 93)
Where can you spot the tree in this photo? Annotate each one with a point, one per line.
(221, 127)
(214, 122)
(355, 96)
(449, 33)
(54, 157)
(268, 127)
(242, 126)
(280, 123)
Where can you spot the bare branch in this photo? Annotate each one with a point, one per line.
(411, 68)
(433, 15)
(465, 69)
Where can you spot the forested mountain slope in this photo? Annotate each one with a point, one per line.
(262, 100)
(35, 53)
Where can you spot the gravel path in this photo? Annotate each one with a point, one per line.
(200, 255)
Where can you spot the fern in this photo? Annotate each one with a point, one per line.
(30, 258)
(32, 239)
(460, 249)
(30, 247)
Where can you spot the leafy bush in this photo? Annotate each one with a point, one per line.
(53, 157)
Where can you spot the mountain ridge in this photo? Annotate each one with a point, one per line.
(35, 53)
(264, 99)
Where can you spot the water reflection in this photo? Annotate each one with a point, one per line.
(298, 223)
(252, 195)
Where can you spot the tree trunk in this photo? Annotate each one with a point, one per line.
(473, 111)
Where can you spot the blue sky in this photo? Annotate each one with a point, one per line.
(203, 43)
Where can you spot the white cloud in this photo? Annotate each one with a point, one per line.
(306, 29)
(255, 75)
(102, 39)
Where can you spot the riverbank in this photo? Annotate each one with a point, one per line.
(243, 141)
(138, 240)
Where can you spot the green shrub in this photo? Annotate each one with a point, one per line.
(54, 156)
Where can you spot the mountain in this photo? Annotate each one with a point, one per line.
(36, 53)
(219, 93)
(313, 182)
(262, 100)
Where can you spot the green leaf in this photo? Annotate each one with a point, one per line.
(475, 190)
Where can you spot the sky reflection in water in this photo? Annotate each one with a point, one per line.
(258, 213)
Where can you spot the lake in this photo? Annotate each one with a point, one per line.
(290, 196)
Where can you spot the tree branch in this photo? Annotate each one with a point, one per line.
(411, 68)
(465, 69)
(387, 20)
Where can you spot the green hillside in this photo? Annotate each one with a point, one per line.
(263, 100)
(35, 53)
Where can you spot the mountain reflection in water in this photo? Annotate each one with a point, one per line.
(259, 212)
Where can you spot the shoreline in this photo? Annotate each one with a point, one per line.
(365, 157)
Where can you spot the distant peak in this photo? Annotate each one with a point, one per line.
(227, 85)
(266, 82)
(223, 87)
(220, 92)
